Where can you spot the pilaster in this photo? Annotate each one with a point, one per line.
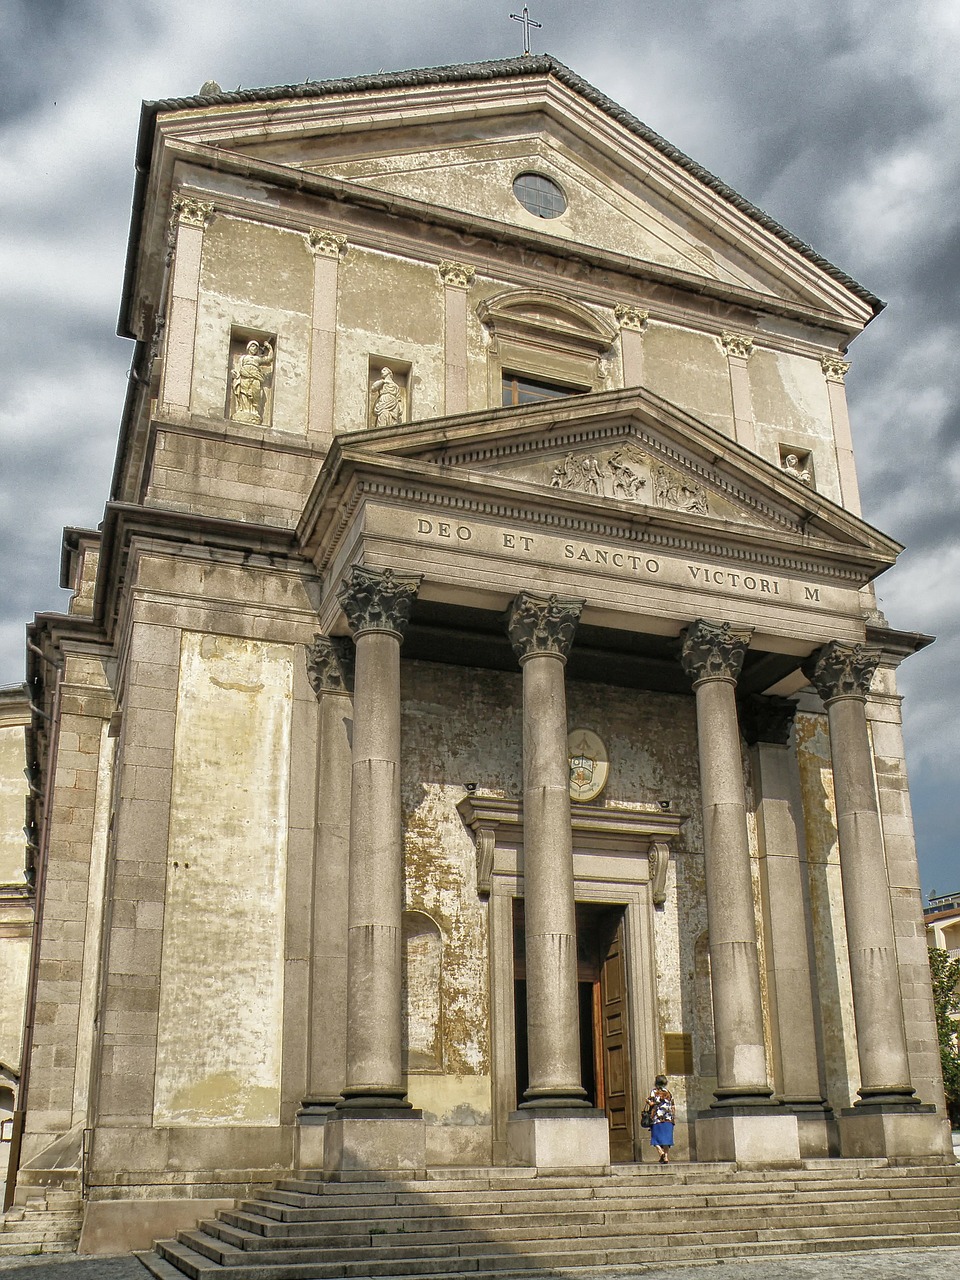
(632, 321)
(739, 348)
(456, 279)
(327, 248)
(834, 371)
(189, 219)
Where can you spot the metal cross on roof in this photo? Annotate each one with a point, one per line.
(528, 22)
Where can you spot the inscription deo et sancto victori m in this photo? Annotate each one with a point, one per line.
(582, 554)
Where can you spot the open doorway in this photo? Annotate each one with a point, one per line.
(605, 1070)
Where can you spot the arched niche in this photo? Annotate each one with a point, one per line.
(420, 976)
(546, 337)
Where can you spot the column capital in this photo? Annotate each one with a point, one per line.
(325, 244)
(767, 719)
(542, 624)
(840, 670)
(378, 599)
(188, 211)
(736, 344)
(714, 651)
(834, 368)
(330, 664)
(630, 317)
(455, 275)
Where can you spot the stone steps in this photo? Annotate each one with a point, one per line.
(47, 1223)
(494, 1222)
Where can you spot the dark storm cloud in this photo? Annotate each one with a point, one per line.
(841, 121)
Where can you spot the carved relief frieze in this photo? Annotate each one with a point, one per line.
(841, 670)
(326, 244)
(713, 650)
(330, 664)
(455, 275)
(630, 317)
(378, 599)
(630, 475)
(834, 368)
(677, 492)
(542, 624)
(736, 344)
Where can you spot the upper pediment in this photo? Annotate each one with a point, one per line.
(454, 141)
(621, 458)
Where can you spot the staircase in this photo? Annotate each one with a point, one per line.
(48, 1222)
(491, 1222)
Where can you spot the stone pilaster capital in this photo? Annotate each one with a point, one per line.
(767, 719)
(378, 599)
(713, 651)
(834, 368)
(330, 663)
(190, 212)
(736, 344)
(629, 317)
(455, 275)
(326, 244)
(840, 670)
(542, 624)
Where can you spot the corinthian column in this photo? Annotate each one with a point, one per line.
(377, 605)
(841, 674)
(541, 631)
(712, 656)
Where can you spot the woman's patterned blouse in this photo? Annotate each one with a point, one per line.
(661, 1106)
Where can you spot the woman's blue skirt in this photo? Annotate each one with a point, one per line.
(661, 1135)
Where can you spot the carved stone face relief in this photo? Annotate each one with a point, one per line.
(630, 475)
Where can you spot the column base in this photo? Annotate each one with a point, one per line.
(385, 1144)
(817, 1128)
(559, 1137)
(894, 1132)
(767, 1136)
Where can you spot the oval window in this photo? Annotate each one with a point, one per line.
(539, 195)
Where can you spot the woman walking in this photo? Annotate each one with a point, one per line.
(662, 1116)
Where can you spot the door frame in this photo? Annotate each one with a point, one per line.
(619, 860)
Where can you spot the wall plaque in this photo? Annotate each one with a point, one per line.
(589, 765)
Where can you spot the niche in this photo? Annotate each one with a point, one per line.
(421, 959)
(250, 377)
(388, 393)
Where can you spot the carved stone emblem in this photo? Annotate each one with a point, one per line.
(455, 275)
(326, 244)
(378, 599)
(834, 368)
(542, 624)
(330, 663)
(841, 670)
(736, 344)
(589, 765)
(713, 650)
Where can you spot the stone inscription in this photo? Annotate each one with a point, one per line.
(629, 563)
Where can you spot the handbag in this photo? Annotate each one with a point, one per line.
(646, 1118)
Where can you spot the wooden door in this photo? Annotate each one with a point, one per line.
(615, 1048)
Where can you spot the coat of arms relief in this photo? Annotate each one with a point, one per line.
(630, 475)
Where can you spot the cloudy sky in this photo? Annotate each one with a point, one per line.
(842, 120)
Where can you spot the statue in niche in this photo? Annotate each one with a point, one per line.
(250, 372)
(627, 482)
(791, 465)
(388, 404)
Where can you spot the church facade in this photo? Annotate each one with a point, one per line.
(474, 700)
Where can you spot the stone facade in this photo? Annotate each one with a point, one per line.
(474, 701)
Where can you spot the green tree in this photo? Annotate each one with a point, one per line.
(945, 973)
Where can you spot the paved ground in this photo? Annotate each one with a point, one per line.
(930, 1264)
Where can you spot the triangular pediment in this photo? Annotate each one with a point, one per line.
(456, 142)
(627, 457)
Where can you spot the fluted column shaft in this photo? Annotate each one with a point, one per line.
(377, 606)
(712, 657)
(541, 631)
(841, 674)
